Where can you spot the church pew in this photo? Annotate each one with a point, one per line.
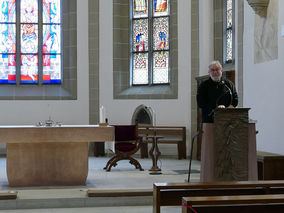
(171, 135)
(170, 194)
(234, 204)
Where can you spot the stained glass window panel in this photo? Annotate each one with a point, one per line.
(229, 45)
(51, 11)
(8, 11)
(229, 18)
(161, 7)
(51, 38)
(8, 68)
(229, 11)
(51, 68)
(29, 38)
(140, 8)
(229, 5)
(161, 67)
(29, 11)
(140, 68)
(29, 69)
(7, 38)
(161, 33)
(140, 35)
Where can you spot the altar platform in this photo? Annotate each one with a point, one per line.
(123, 177)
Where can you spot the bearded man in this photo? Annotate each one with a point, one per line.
(215, 92)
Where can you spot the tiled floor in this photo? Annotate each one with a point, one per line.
(124, 176)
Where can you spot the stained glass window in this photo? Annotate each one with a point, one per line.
(140, 69)
(150, 42)
(160, 33)
(228, 37)
(51, 41)
(7, 41)
(39, 57)
(140, 8)
(140, 35)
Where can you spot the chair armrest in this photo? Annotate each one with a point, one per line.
(139, 139)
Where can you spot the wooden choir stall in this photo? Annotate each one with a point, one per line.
(44, 156)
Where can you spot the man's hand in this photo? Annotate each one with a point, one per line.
(221, 106)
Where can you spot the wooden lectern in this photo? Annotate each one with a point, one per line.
(228, 150)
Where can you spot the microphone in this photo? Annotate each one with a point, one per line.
(218, 99)
(230, 91)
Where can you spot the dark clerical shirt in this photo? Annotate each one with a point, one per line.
(210, 94)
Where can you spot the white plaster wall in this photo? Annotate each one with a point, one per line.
(68, 112)
(263, 87)
(168, 112)
(206, 34)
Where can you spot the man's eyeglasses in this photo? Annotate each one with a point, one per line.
(212, 70)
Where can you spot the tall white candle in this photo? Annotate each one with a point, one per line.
(102, 114)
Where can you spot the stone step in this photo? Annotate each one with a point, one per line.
(77, 198)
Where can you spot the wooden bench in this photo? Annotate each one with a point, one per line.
(270, 166)
(234, 204)
(171, 135)
(170, 194)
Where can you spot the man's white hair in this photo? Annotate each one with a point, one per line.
(215, 63)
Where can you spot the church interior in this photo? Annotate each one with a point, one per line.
(123, 62)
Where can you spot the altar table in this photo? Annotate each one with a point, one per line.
(48, 156)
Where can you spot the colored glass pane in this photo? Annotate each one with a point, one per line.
(29, 38)
(51, 38)
(140, 68)
(140, 8)
(161, 7)
(8, 12)
(51, 11)
(140, 35)
(161, 67)
(29, 11)
(229, 5)
(161, 33)
(7, 38)
(8, 68)
(29, 69)
(229, 18)
(51, 68)
(229, 45)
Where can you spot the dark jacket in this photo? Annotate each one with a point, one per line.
(210, 94)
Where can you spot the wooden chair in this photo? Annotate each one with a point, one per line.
(127, 142)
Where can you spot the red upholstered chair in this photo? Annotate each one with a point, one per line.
(127, 142)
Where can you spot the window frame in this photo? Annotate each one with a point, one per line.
(151, 49)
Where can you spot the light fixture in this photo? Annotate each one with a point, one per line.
(259, 6)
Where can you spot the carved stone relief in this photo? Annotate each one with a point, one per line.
(266, 35)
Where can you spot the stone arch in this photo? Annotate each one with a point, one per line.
(143, 115)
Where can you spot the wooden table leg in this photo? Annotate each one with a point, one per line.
(155, 156)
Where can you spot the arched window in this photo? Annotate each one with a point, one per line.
(31, 44)
(150, 49)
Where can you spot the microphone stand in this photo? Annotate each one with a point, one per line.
(218, 99)
(231, 95)
(200, 131)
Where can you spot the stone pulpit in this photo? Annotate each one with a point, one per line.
(228, 150)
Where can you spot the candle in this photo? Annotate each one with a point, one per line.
(102, 114)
